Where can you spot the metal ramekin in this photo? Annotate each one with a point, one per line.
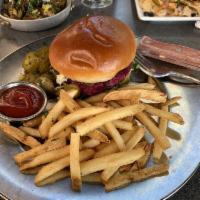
(14, 84)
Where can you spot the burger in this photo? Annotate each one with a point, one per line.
(94, 53)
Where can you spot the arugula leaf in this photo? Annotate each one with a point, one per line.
(135, 66)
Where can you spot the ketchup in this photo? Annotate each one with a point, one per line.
(20, 101)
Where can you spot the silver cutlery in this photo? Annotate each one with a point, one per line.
(160, 69)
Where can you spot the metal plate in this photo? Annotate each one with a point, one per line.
(184, 155)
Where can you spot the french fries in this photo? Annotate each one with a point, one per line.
(96, 98)
(174, 117)
(83, 104)
(152, 95)
(51, 118)
(30, 154)
(100, 139)
(33, 122)
(131, 143)
(68, 101)
(126, 178)
(30, 131)
(99, 120)
(91, 178)
(91, 143)
(46, 157)
(145, 86)
(98, 135)
(60, 164)
(137, 136)
(75, 162)
(54, 178)
(17, 134)
(112, 147)
(172, 101)
(115, 135)
(31, 171)
(122, 124)
(109, 161)
(157, 150)
(154, 130)
(74, 117)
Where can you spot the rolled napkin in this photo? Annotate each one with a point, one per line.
(171, 53)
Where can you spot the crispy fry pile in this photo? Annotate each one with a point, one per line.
(100, 139)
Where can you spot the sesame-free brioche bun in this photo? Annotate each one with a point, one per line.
(93, 49)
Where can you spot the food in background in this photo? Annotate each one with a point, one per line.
(31, 9)
(162, 8)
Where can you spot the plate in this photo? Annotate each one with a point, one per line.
(184, 155)
(158, 19)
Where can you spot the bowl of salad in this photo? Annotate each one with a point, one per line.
(33, 15)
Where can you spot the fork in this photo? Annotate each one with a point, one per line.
(160, 69)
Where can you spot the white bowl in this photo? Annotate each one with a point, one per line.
(36, 24)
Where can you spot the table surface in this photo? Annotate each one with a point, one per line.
(182, 32)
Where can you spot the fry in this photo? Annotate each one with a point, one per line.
(125, 168)
(174, 117)
(54, 178)
(124, 102)
(30, 154)
(153, 130)
(74, 117)
(109, 161)
(31, 171)
(94, 178)
(96, 98)
(141, 163)
(17, 134)
(98, 135)
(30, 131)
(107, 173)
(83, 104)
(101, 104)
(151, 81)
(33, 122)
(152, 95)
(63, 134)
(91, 143)
(121, 124)
(137, 136)
(172, 101)
(115, 135)
(126, 178)
(61, 116)
(173, 134)
(108, 116)
(68, 101)
(145, 86)
(60, 164)
(157, 150)
(114, 104)
(91, 178)
(46, 157)
(75, 162)
(51, 118)
(73, 92)
(112, 147)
